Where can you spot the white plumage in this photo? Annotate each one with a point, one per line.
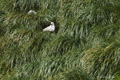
(32, 12)
(50, 28)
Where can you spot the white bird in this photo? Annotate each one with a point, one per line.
(50, 28)
(32, 12)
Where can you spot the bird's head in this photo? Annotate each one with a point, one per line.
(52, 23)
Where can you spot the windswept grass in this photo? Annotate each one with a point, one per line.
(85, 45)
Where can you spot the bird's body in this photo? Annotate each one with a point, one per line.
(32, 12)
(50, 28)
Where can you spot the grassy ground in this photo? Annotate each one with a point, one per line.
(85, 45)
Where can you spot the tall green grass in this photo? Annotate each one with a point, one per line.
(85, 45)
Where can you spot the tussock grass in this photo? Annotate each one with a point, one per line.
(85, 45)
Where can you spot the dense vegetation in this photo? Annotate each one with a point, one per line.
(85, 45)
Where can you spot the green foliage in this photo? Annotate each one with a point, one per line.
(85, 45)
(73, 74)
